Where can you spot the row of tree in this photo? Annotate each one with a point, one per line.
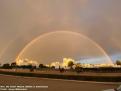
(14, 65)
(41, 66)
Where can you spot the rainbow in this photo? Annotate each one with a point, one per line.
(62, 31)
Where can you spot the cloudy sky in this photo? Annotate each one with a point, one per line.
(23, 20)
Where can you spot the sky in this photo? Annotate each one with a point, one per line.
(21, 21)
(54, 46)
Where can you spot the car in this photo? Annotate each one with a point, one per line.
(117, 89)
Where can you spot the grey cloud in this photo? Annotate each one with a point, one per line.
(24, 20)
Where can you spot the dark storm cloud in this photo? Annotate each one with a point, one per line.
(100, 20)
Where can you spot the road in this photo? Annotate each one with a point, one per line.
(54, 84)
(65, 73)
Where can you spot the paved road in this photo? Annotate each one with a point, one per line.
(54, 85)
(65, 73)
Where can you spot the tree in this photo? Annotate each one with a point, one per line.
(118, 62)
(70, 64)
(6, 66)
(13, 64)
(78, 69)
(29, 66)
(52, 67)
(0, 65)
(41, 66)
